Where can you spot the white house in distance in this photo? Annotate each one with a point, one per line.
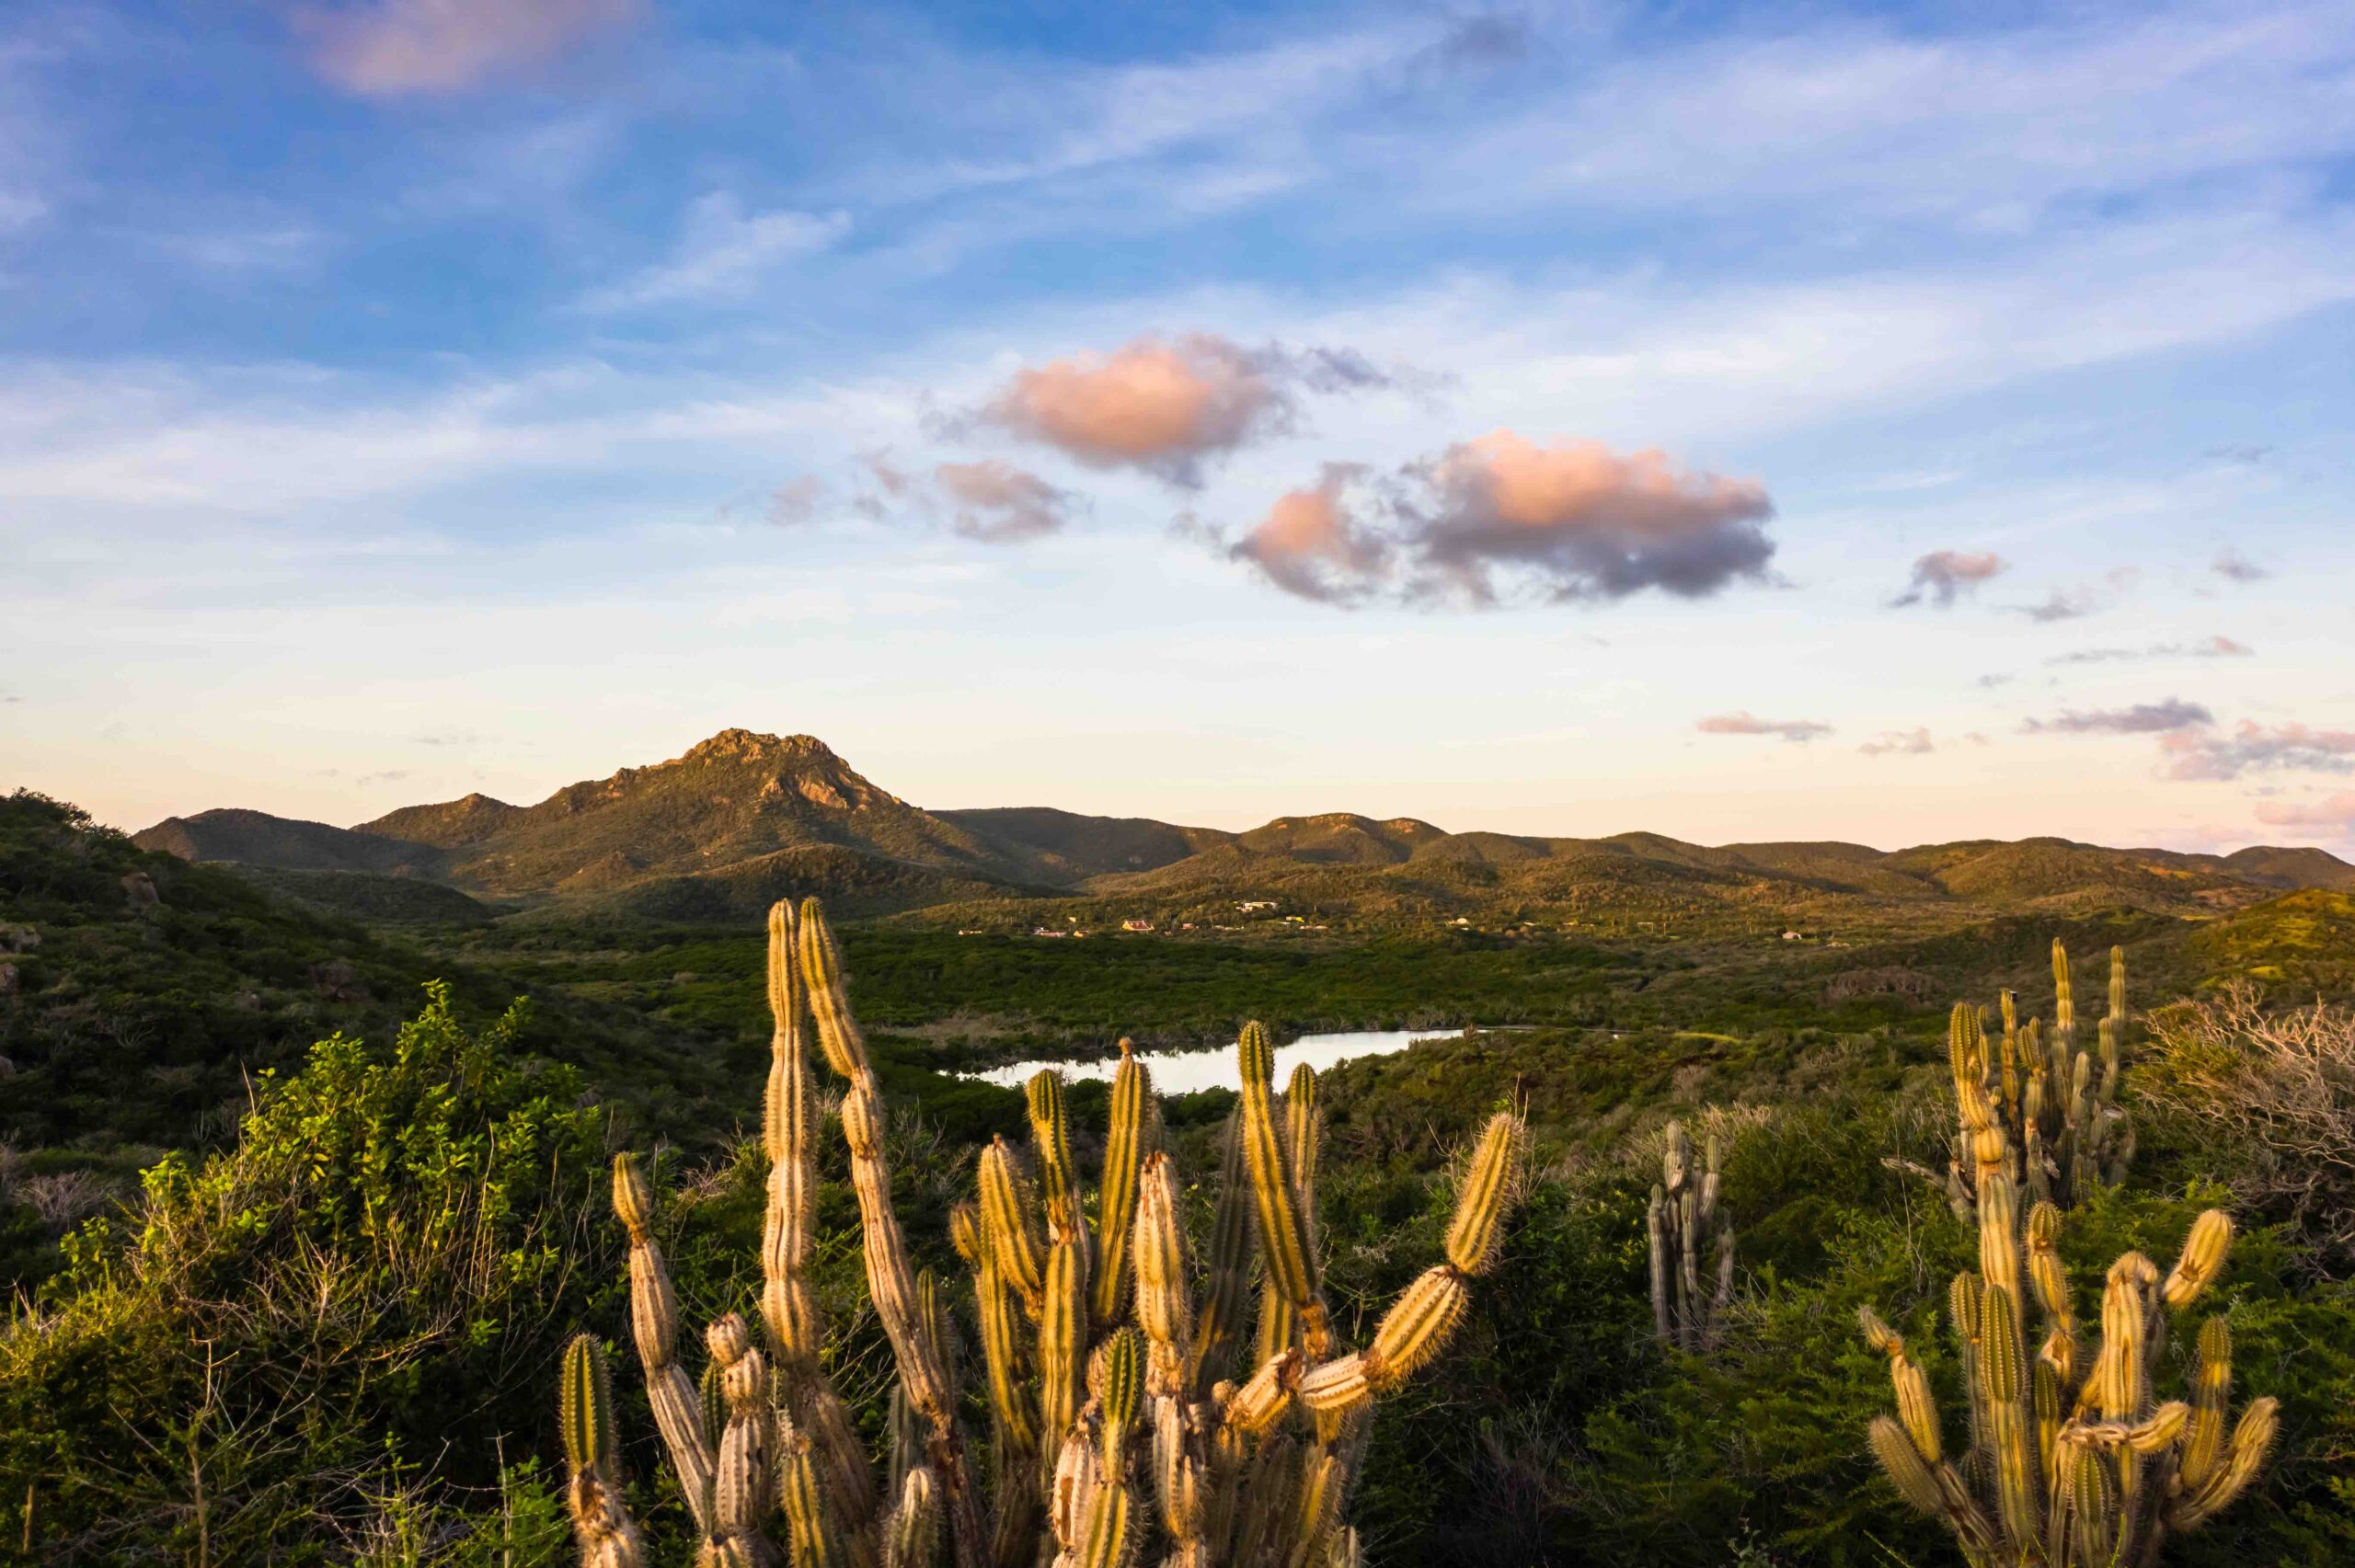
(1136, 925)
(1248, 904)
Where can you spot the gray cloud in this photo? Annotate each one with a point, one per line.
(2143, 719)
(1575, 520)
(1743, 722)
(2255, 747)
(999, 504)
(2233, 565)
(1906, 742)
(1942, 576)
(1502, 516)
(2062, 605)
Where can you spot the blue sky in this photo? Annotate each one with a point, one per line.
(1735, 422)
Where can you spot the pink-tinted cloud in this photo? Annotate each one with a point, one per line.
(1942, 576)
(1165, 405)
(1159, 406)
(2255, 747)
(1902, 742)
(397, 48)
(1577, 521)
(1311, 543)
(1743, 722)
(2334, 814)
(999, 504)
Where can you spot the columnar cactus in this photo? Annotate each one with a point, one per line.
(2069, 1463)
(1115, 1421)
(1681, 1208)
(2056, 1106)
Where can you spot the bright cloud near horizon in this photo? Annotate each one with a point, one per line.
(1209, 413)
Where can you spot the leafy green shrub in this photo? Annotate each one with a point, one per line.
(355, 1302)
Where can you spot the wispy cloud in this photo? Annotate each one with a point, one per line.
(2237, 567)
(399, 48)
(1742, 722)
(1942, 576)
(2253, 747)
(2141, 719)
(796, 501)
(723, 253)
(997, 503)
(2218, 647)
(2333, 814)
(1901, 742)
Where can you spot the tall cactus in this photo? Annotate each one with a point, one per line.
(2069, 1462)
(1116, 1427)
(2056, 1104)
(1679, 1216)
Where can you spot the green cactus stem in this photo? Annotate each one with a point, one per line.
(1682, 1209)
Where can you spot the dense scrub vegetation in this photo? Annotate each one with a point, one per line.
(332, 1334)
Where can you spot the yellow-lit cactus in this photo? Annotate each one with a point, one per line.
(1116, 1426)
(2056, 1106)
(2071, 1463)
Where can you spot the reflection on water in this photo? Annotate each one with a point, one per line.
(1182, 1072)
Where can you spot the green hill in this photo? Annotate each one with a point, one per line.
(257, 837)
(702, 836)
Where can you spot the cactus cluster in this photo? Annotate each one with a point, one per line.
(2055, 1103)
(1684, 1204)
(2070, 1464)
(1120, 1421)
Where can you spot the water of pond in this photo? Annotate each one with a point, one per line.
(1182, 1072)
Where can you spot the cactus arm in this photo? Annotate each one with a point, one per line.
(601, 1527)
(814, 1539)
(742, 1495)
(1932, 1488)
(2018, 1465)
(1218, 1327)
(1285, 1243)
(1658, 1223)
(1007, 1224)
(654, 1325)
(911, 1535)
(2251, 1439)
(1045, 1098)
(1128, 1139)
(2203, 1259)
(1062, 1343)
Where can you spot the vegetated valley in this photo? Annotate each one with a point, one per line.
(299, 1204)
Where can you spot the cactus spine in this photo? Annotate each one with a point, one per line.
(1115, 1427)
(2071, 1465)
(2055, 1104)
(1679, 1215)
